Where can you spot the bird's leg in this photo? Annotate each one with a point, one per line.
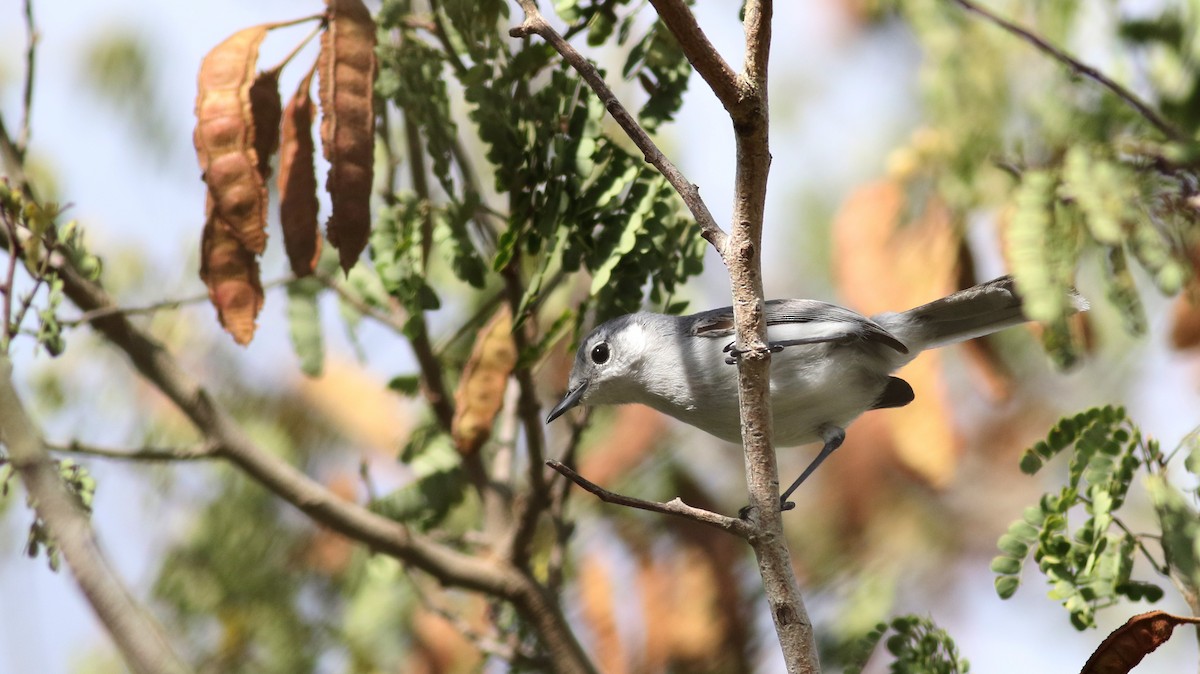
(773, 347)
(833, 437)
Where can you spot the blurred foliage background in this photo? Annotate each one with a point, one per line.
(918, 148)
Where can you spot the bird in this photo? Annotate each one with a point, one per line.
(829, 364)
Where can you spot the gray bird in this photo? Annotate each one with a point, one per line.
(830, 364)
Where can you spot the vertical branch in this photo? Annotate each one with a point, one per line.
(751, 125)
(27, 94)
(139, 638)
(10, 278)
(745, 97)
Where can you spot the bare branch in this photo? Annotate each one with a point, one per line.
(32, 38)
(700, 52)
(10, 287)
(1079, 68)
(782, 590)
(535, 24)
(165, 305)
(139, 638)
(529, 411)
(202, 451)
(448, 565)
(732, 525)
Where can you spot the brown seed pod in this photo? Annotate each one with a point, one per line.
(347, 92)
(481, 391)
(225, 137)
(266, 110)
(1141, 635)
(231, 273)
(298, 183)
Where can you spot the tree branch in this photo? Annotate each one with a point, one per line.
(89, 316)
(202, 451)
(792, 624)
(676, 507)
(137, 635)
(535, 24)
(1078, 67)
(449, 566)
(700, 52)
(32, 38)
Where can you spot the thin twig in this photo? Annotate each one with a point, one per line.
(139, 638)
(733, 525)
(203, 451)
(1160, 568)
(1079, 68)
(165, 305)
(443, 37)
(420, 181)
(560, 492)
(32, 39)
(303, 43)
(485, 643)
(393, 321)
(10, 278)
(535, 24)
(529, 410)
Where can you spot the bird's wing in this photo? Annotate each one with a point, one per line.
(802, 322)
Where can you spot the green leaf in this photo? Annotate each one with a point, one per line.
(1180, 524)
(1031, 463)
(304, 325)
(1006, 586)
(405, 384)
(1122, 292)
(1007, 566)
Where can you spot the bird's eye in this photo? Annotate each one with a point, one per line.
(600, 353)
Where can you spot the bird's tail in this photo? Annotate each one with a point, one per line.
(967, 314)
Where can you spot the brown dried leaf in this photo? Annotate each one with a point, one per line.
(231, 274)
(1185, 321)
(347, 83)
(599, 613)
(481, 389)
(225, 137)
(884, 263)
(266, 110)
(298, 184)
(1129, 643)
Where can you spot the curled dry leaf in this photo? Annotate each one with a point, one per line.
(1185, 320)
(225, 137)
(481, 390)
(231, 274)
(1185, 323)
(1129, 643)
(347, 93)
(298, 183)
(266, 110)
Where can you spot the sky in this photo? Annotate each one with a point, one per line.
(839, 101)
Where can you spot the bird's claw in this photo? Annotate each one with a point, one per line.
(736, 353)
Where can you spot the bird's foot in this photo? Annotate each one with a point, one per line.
(736, 353)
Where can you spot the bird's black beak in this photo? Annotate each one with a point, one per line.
(570, 400)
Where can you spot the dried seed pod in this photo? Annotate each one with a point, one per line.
(266, 110)
(225, 138)
(298, 183)
(231, 273)
(481, 389)
(1128, 644)
(347, 91)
